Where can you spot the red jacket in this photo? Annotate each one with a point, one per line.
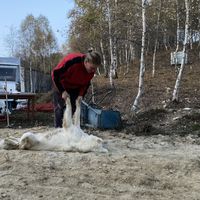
(70, 73)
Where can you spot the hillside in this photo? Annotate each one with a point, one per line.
(157, 89)
(158, 115)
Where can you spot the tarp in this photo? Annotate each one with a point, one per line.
(2, 118)
(40, 107)
(44, 107)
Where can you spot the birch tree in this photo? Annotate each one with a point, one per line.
(177, 35)
(175, 96)
(36, 45)
(198, 26)
(104, 58)
(11, 41)
(178, 26)
(156, 40)
(112, 59)
(26, 45)
(135, 106)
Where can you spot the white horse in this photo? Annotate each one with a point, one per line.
(69, 138)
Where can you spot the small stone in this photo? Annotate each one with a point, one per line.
(3, 195)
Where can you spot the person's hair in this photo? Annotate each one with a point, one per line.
(93, 57)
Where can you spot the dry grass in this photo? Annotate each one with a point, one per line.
(156, 89)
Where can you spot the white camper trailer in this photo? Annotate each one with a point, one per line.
(11, 77)
(12, 73)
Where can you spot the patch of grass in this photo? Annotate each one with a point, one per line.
(195, 127)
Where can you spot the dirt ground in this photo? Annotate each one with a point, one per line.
(155, 155)
(136, 167)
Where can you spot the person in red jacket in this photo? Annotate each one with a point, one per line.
(71, 78)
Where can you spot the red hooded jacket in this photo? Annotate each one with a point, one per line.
(70, 73)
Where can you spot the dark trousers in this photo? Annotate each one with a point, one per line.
(59, 105)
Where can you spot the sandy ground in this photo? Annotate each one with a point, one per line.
(154, 167)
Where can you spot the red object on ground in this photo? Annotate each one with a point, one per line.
(2, 118)
(44, 107)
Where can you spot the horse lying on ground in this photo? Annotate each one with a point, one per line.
(69, 138)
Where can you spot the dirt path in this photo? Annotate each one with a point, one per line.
(156, 167)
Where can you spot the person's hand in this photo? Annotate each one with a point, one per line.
(65, 95)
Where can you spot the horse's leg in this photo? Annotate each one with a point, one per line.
(11, 143)
(77, 112)
(67, 117)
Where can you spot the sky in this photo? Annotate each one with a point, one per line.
(13, 12)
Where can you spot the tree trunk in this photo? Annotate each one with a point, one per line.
(135, 106)
(126, 59)
(104, 59)
(177, 35)
(93, 94)
(175, 97)
(156, 40)
(110, 43)
(31, 78)
(178, 25)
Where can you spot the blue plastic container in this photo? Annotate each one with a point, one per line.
(98, 118)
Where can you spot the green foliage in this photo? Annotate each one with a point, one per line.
(37, 43)
(90, 23)
(196, 127)
(86, 26)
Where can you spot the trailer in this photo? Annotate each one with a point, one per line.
(11, 78)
